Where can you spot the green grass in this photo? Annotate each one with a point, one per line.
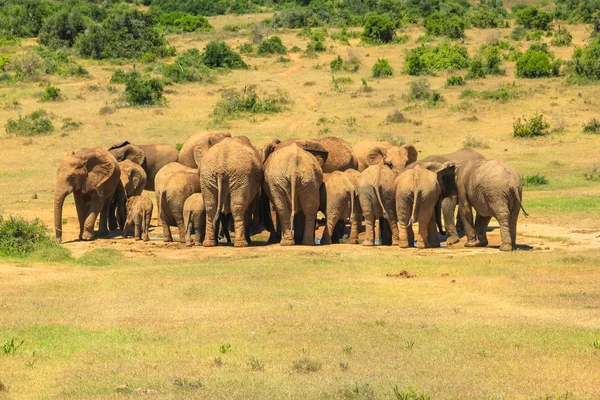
(589, 205)
(160, 324)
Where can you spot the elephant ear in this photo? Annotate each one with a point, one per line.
(135, 154)
(268, 149)
(119, 145)
(314, 148)
(375, 156)
(445, 173)
(412, 152)
(206, 143)
(100, 166)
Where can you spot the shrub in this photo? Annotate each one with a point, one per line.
(317, 43)
(484, 16)
(586, 61)
(449, 25)
(476, 70)
(534, 180)
(536, 64)
(420, 89)
(530, 127)
(217, 54)
(502, 94)
(246, 48)
(396, 117)
(518, 33)
(382, 68)
(488, 62)
(234, 103)
(61, 29)
(179, 21)
(140, 92)
(534, 18)
(120, 76)
(428, 59)
(592, 174)
(410, 394)
(188, 67)
(561, 37)
(379, 29)
(306, 365)
(272, 45)
(18, 237)
(455, 80)
(337, 64)
(34, 124)
(474, 143)
(592, 126)
(51, 94)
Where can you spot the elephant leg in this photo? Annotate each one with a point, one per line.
(339, 230)
(286, 228)
(148, 217)
(137, 229)
(438, 216)
(329, 231)
(432, 232)
(167, 237)
(448, 209)
(422, 240)
(466, 214)
(369, 228)
(481, 224)
(238, 213)
(403, 235)
(81, 211)
(95, 208)
(393, 224)
(225, 227)
(356, 223)
(503, 218)
(112, 218)
(514, 217)
(310, 217)
(200, 228)
(103, 225)
(126, 228)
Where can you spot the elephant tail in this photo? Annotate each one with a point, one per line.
(293, 197)
(144, 216)
(415, 210)
(352, 213)
(220, 201)
(377, 192)
(520, 200)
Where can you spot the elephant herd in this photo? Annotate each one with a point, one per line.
(218, 183)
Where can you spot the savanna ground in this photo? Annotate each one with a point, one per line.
(124, 319)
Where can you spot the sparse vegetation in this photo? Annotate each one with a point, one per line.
(409, 394)
(142, 92)
(52, 93)
(425, 59)
(306, 366)
(273, 45)
(592, 126)
(35, 124)
(217, 54)
(11, 346)
(534, 180)
(475, 142)
(382, 68)
(19, 237)
(534, 126)
(396, 117)
(561, 37)
(455, 80)
(235, 103)
(188, 67)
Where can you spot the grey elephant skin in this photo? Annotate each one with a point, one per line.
(174, 184)
(133, 180)
(192, 150)
(338, 197)
(194, 219)
(446, 208)
(293, 178)
(230, 177)
(418, 190)
(493, 188)
(93, 176)
(372, 152)
(139, 214)
(340, 155)
(152, 157)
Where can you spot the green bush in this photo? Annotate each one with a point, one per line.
(518, 33)
(336, 64)
(120, 76)
(534, 180)
(234, 103)
(561, 37)
(51, 94)
(487, 62)
(272, 45)
(420, 90)
(188, 67)
(487, 15)
(586, 62)
(382, 68)
(530, 127)
(35, 124)
(379, 29)
(455, 80)
(537, 64)
(61, 29)
(218, 54)
(317, 43)
(41, 61)
(140, 92)
(427, 59)
(476, 70)
(18, 237)
(178, 21)
(449, 25)
(592, 126)
(534, 18)
(246, 48)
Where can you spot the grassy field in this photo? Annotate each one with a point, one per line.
(128, 320)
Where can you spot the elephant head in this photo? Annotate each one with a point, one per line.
(127, 151)
(84, 171)
(445, 175)
(205, 142)
(396, 157)
(133, 178)
(268, 149)
(313, 147)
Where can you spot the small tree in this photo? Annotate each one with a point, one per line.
(534, 18)
(218, 54)
(536, 64)
(379, 29)
(139, 92)
(382, 68)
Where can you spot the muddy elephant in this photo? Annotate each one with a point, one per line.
(494, 189)
(133, 179)
(230, 176)
(293, 178)
(139, 214)
(377, 196)
(93, 176)
(192, 150)
(372, 152)
(152, 157)
(356, 226)
(194, 219)
(338, 205)
(340, 156)
(446, 207)
(174, 185)
(418, 190)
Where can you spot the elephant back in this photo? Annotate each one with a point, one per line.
(192, 150)
(340, 154)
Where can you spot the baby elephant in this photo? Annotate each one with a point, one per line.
(194, 219)
(139, 214)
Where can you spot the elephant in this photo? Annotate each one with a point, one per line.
(293, 178)
(371, 152)
(418, 190)
(192, 150)
(139, 214)
(356, 222)
(446, 208)
(338, 205)
(133, 179)
(173, 187)
(152, 157)
(377, 196)
(93, 176)
(194, 219)
(165, 172)
(494, 189)
(340, 156)
(230, 177)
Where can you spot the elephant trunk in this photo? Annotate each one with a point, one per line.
(59, 200)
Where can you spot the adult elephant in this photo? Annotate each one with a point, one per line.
(192, 150)
(230, 176)
(446, 207)
(293, 178)
(353, 175)
(372, 152)
(338, 205)
(133, 179)
(152, 157)
(494, 189)
(418, 190)
(93, 176)
(377, 196)
(340, 156)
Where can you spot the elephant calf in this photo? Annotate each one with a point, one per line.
(494, 189)
(338, 205)
(194, 219)
(139, 214)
